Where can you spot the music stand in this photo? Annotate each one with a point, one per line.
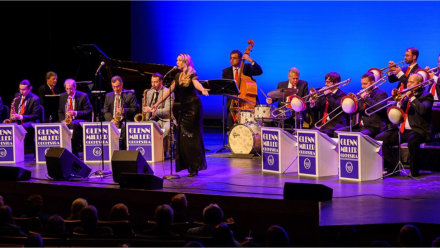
(222, 87)
(51, 104)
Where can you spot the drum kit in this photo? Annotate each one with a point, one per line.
(245, 137)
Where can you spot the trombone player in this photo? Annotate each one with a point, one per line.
(162, 115)
(370, 95)
(119, 106)
(396, 74)
(74, 108)
(330, 100)
(435, 88)
(415, 128)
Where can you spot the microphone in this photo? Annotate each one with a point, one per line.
(172, 69)
(99, 68)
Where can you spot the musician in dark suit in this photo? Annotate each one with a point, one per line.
(120, 105)
(74, 107)
(232, 72)
(295, 83)
(162, 114)
(27, 111)
(49, 88)
(397, 74)
(435, 87)
(328, 102)
(415, 129)
(374, 124)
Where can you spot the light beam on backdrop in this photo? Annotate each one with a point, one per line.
(316, 37)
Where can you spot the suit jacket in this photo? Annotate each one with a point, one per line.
(32, 108)
(163, 110)
(129, 104)
(334, 101)
(302, 86)
(45, 90)
(437, 88)
(419, 114)
(377, 120)
(403, 79)
(82, 106)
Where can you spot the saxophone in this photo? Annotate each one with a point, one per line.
(117, 116)
(12, 113)
(68, 117)
(143, 115)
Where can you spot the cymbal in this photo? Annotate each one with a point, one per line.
(283, 92)
(238, 98)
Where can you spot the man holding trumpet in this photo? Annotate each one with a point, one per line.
(369, 95)
(396, 74)
(415, 128)
(434, 73)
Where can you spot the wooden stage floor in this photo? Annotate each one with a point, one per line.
(397, 199)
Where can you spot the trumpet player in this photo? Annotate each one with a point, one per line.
(397, 74)
(435, 88)
(415, 128)
(74, 108)
(374, 124)
(162, 115)
(119, 106)
(328, 102)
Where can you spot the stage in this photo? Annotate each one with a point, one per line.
(397, 199)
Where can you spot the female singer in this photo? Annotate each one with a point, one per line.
(190, 148)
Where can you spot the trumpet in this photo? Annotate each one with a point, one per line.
(396, 96)
(13, 112)
(378, 73)
(143, 115)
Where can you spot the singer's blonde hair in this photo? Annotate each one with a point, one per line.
(188, 69)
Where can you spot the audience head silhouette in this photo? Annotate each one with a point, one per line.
(164, 215)
(119, 212)
(276, 236)
(410, 236)
(212, 214)
(33, 205)
(55, 225)
(75, 210)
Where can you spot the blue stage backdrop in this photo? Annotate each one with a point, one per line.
(316, 37)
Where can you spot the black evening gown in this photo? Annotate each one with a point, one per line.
(190, 148)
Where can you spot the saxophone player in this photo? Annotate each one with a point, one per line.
(119, 106)
(74, 108)
(162, 114)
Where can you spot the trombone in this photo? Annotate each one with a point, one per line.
(396, 95)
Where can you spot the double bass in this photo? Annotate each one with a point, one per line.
(248, 90)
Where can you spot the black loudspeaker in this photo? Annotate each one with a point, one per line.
(63, 165)
(11, 173)
(129, 162)
(307, 191)
(140, 181)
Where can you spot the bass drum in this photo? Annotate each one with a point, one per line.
(245, 138)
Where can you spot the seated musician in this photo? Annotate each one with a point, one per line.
(119, 106)
(327, 103)
(397, 74)
(26, 110)
(295, 83)
(374, 124)
(415, 128)
(435, 75)
(252, 69)
(74, 108)
(49, 88)
(162, 115)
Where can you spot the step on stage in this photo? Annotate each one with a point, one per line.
(253, 198)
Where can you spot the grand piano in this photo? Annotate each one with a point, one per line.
(136, 75)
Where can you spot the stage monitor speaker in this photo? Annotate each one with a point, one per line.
(63, 165)
(140, 181)
(129, 162)
(307, 191)
(12, 173)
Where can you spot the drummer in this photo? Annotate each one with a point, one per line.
(299, 86)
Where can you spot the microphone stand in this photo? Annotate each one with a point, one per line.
(171, 135)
